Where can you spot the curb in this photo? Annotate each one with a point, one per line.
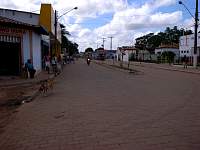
(118, 68)
(25, 82)
(31, 97)
(27, 97)
(36, 92)
(170, 69)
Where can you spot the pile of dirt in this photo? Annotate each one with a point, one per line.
(10, 99)
(15, 95)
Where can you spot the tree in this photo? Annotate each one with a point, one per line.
(71, 48)
(169, 56)
(89, 49)
(168, 37)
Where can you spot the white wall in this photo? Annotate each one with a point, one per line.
(37, 60)
(26, 46)
(26, 17)
(186, 45)
(174, 50)
(36, 47)
(126, 56)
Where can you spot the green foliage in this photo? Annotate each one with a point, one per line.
(168, 56)
(72, 48)
(151, 41)
(89, 49)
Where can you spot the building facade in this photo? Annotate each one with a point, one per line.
(168, 48)
(26, 35)
(48, 19)
(125, 52)
(186, 46)
(19, 42)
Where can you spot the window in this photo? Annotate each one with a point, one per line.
(187, 51)
(192, 38)
(13, 13)
(184, 51)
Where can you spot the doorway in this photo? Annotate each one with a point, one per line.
(10, 54)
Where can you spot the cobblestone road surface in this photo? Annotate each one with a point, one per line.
(97, 108)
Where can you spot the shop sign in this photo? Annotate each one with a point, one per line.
(4, 30)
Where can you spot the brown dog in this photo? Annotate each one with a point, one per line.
(45, 85)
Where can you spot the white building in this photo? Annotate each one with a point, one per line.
(20, 40)
(168, 48)
(125, 52)
(186, 45)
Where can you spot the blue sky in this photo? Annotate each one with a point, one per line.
(125, 20)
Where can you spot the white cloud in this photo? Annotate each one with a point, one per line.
(155, 20)
(129, 21)
(159, 3)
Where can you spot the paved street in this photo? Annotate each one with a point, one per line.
(98, 108)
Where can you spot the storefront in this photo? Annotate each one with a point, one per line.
(18, 43)
(10, 50)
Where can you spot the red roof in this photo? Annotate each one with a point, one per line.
(173, 45)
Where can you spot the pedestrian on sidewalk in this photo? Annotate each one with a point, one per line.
(47, 63)
(24, 72)
(54, 64)
(185, 61)
(59, 64)
(30, 68)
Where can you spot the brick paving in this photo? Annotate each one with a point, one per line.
(97, 108)
(14, 91)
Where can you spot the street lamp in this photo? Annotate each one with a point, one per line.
(67, 12)
(195, 31)
(58, 17)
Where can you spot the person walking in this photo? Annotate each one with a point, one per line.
(54, 65)
(47, 63)
(185, 62)
(30, 68)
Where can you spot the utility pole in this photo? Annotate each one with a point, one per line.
(55, 44)
(104, 39)
(56, 17)
(195, 36)
(110, 42)
(195, 31)
(56, 23)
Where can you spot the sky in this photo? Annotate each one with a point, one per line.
(124, 20)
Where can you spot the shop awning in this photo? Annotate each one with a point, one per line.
(13, 23)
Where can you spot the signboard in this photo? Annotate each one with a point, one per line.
(4, 30)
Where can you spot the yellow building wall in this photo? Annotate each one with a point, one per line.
(47, 17)
(47, 20)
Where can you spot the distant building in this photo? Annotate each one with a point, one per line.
(99, 54)
(110, 54)
(168, 48)
(186, 46)
(124, 53)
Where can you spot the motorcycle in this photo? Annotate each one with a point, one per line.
(88, 61)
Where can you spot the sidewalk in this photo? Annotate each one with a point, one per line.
(179, 68)
(15, 90)
(15, 81)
